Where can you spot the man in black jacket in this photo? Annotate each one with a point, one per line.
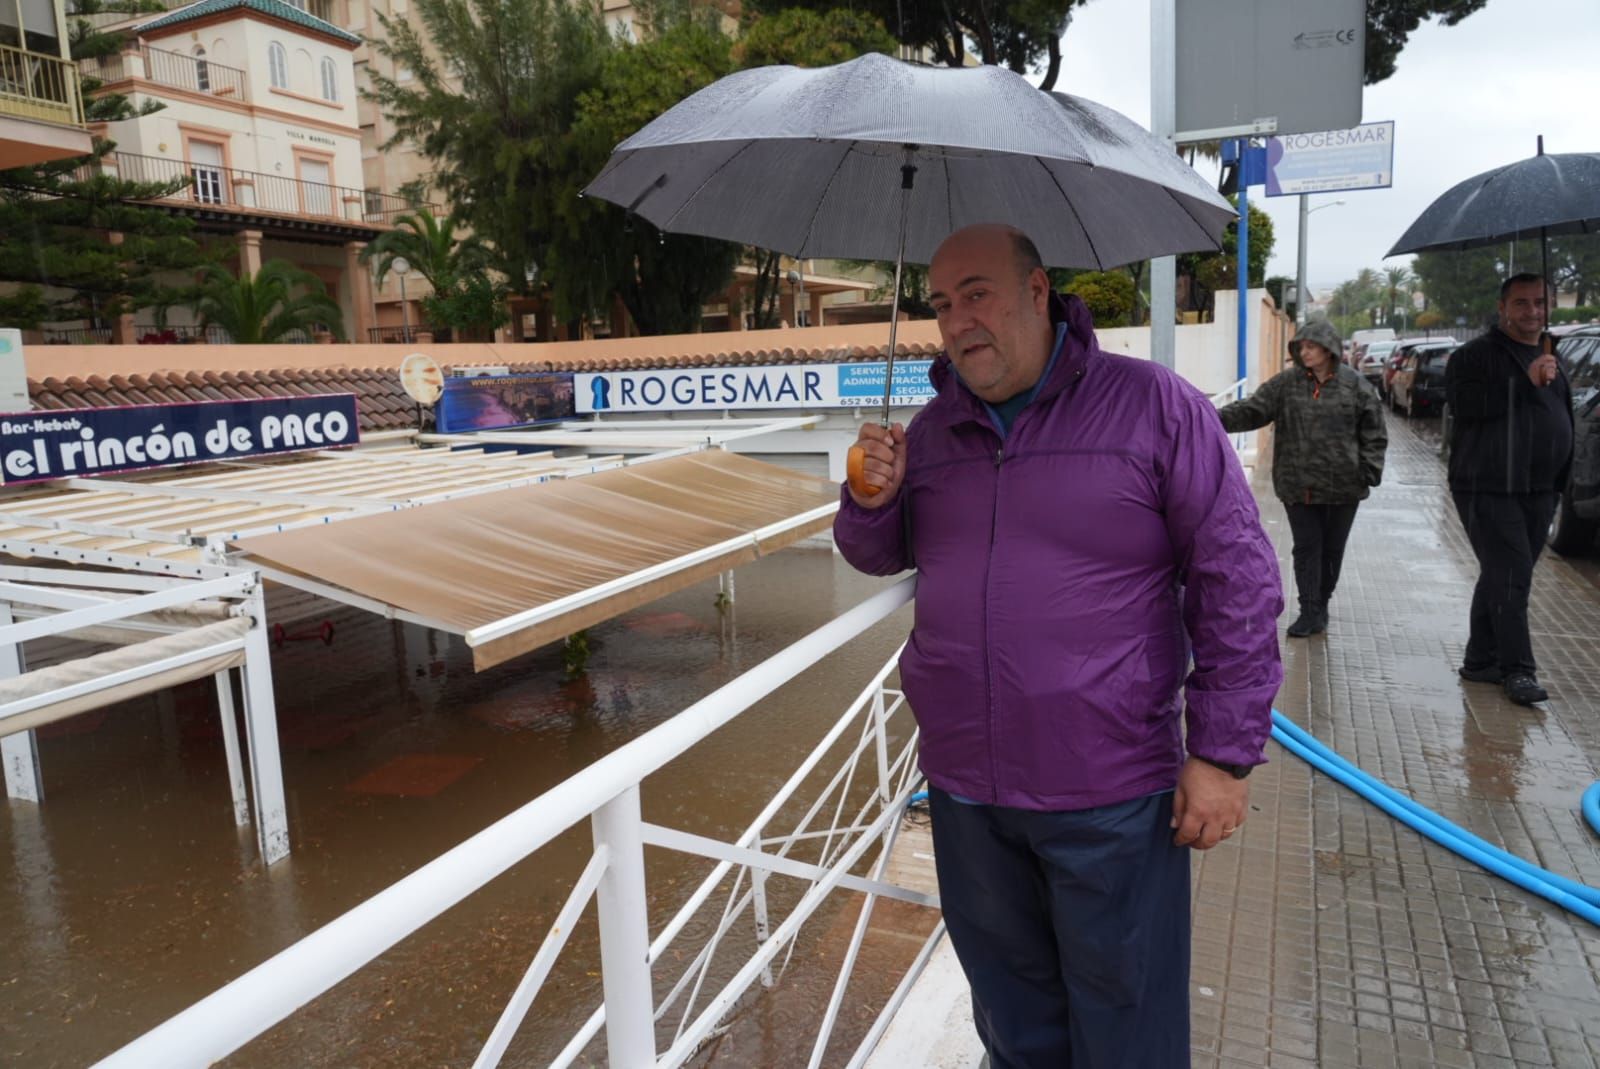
(1510, 453)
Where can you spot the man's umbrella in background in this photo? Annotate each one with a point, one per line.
(807, 162)
(1544, 195)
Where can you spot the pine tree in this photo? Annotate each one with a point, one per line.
(56, 218)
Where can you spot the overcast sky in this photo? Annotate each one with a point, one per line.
(1464, 99)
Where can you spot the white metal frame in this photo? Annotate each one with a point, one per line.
(866, 810)
(60, 601)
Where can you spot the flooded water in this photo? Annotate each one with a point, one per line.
(129, 894)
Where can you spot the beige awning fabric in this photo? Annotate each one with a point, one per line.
(516, 569)
(172, 659)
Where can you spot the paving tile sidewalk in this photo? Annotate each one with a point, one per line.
(1329, 935)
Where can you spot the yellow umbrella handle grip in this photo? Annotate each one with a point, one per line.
(855, 471)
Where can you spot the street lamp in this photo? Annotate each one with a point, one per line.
(402, 267)
(797, 283)
(1300, 272)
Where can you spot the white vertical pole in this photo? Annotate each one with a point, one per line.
(261, 724)
(1163, 123)
(1300, 267)
(19, 751)
(880, 730)
(758, 902)
(230, 746)
(625, 935)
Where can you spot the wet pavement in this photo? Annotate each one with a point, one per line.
(1330, 935)
(1325, 934)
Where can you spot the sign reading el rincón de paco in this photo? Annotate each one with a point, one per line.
(36, 446)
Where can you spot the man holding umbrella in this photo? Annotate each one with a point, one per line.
(1510, 454)
(1081, 527)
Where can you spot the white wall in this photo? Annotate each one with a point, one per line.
(1207, 353)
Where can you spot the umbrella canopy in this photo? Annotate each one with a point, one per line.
(1554, 194)
(809, 163)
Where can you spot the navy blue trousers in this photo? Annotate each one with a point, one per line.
(1073, 930)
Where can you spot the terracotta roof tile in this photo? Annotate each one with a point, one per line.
(383, 403)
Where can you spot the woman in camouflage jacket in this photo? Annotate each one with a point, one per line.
(1327, 454)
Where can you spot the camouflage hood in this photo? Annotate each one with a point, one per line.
(1320, 331)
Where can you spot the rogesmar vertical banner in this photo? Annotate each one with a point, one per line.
(35, 446)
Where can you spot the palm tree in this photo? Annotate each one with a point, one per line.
(430, 245)
(1401, 283)
(273, 306)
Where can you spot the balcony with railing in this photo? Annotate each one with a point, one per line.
(37, 86)
(256, 193)
(194, 73)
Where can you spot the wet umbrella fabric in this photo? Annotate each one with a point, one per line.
(809, 163)
(1542, 195)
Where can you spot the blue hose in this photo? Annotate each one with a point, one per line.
(922, 796)
(1576, 897)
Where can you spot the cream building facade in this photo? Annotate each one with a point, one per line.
(259, 110)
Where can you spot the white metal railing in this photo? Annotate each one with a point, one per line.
(858, 809)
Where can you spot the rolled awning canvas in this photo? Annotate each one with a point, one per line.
(494, 560)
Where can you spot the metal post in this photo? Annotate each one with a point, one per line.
(405, 312)
(624, 934)
(1242, 371)
(758, 905)
(1300, 268)
(880, 731)
(230, 746)
(261, 724)
(20, 751)
(1164, 123)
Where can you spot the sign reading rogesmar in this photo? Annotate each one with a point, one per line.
(35, 446)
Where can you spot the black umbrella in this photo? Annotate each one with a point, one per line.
(1544, 195)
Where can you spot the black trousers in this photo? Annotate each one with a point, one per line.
(1073, 930)
(1320, 533)
(1507, 532)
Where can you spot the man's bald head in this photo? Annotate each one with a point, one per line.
(992, 299)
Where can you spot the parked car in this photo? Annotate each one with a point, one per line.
(1418, 383)
(1399, 353)
(1577, 519)
(1370, 362)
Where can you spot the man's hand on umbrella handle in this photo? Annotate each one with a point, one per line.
(876, 465)
(1543, 370)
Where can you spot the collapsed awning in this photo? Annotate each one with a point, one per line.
(515, 569)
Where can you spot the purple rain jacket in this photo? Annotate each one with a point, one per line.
(1067, 574)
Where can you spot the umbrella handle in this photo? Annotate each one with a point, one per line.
(855, 472)
(855, 461)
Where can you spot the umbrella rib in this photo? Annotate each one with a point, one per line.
(1073, 209)
(704, 182)
(816, 209)
(1186, 211)
(949, 198)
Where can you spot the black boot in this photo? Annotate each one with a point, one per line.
(1313, 620)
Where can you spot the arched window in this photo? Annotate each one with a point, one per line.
(278, 65)
(202, 71)
(330, 80)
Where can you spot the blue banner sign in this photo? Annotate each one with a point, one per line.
(1333, 161)
(488, 401)
(35, 446)
(861, 385)
(774, 386)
